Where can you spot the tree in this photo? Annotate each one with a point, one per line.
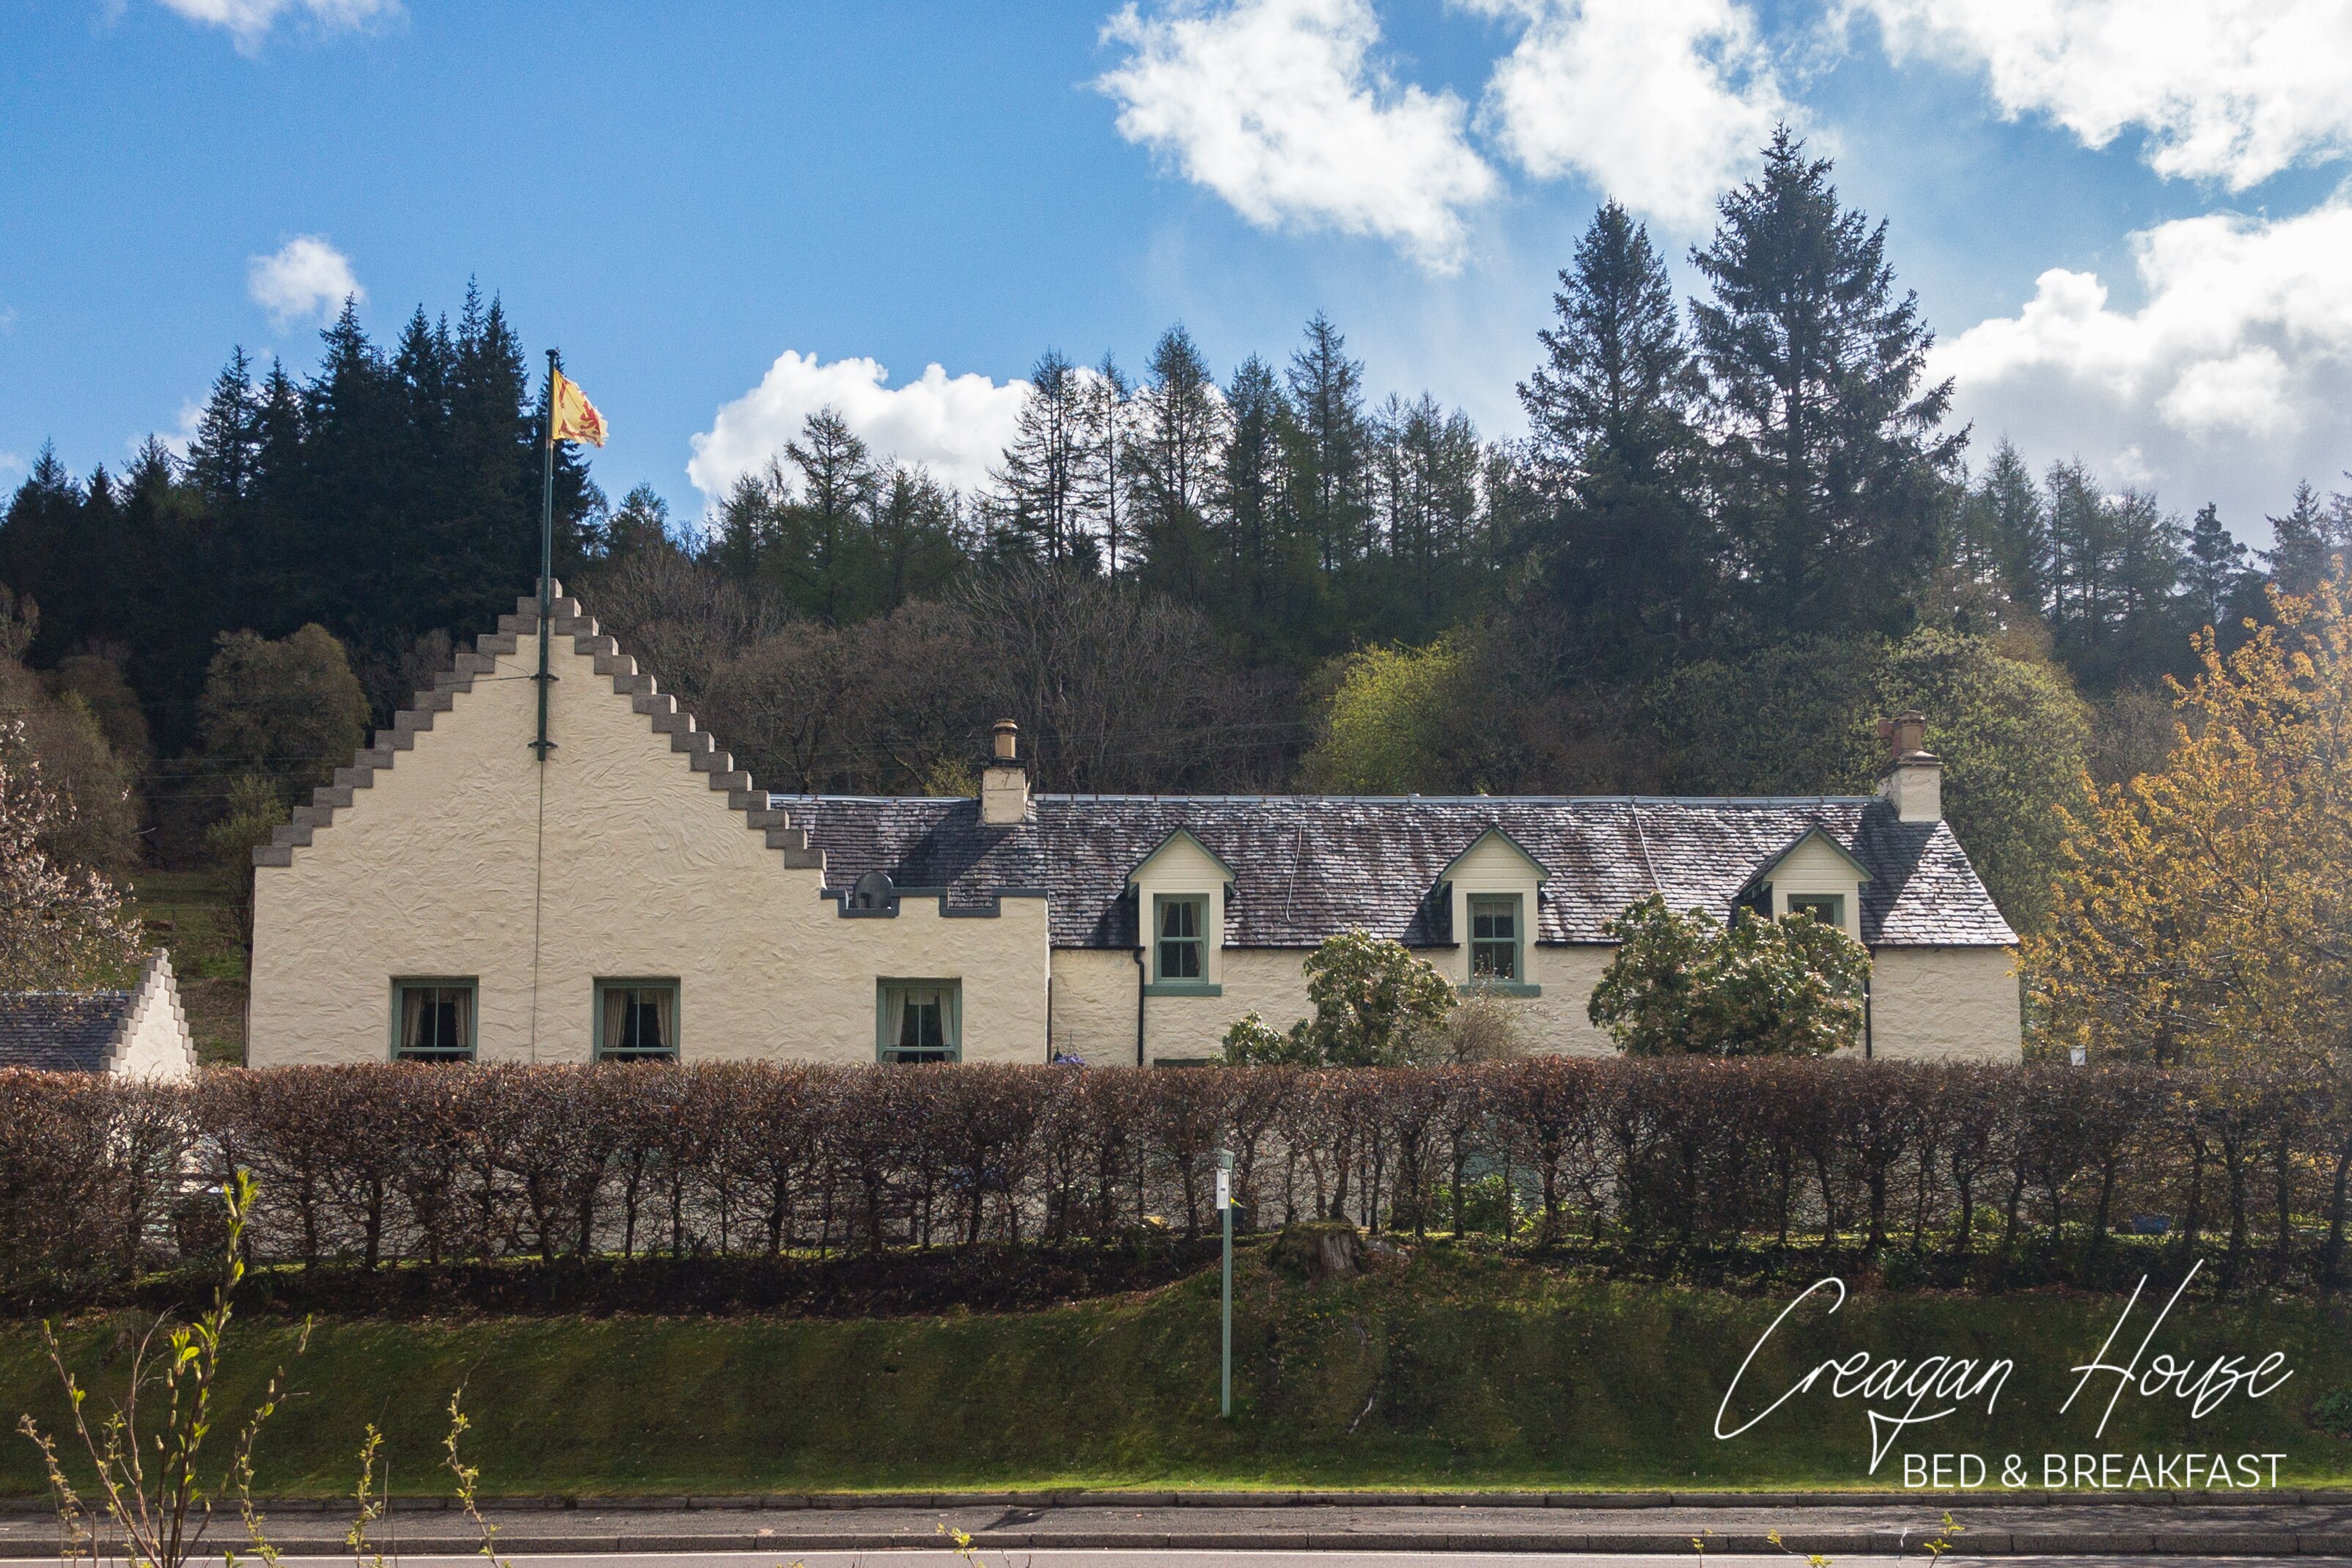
(1105, 458)
(1832, 471)
(1375, 1004)
(62, 927)
(2014, 738)
(639, 525)
(1386, 724)
(290, 711)
(821, 545)
(1630, 560)
(2004, 539)
(1180, 433)
(1687, 983)
(1267, 590)
(1328, 445)
(1044, 466)
(2201, 908)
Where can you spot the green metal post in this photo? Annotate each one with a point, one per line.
(1225, 1214)
(546, 562)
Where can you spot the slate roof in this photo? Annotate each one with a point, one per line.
(1308, 866)
(65, 1031)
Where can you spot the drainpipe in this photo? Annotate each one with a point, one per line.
(1141, 973)
(1866, 1009)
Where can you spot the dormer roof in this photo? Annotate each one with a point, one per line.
(1185, 835)
(1815, 833)
(1496, 831)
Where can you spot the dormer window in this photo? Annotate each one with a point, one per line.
(1182, 922)
(1495, 937)
(1488, 895)
(1815, 876)
(874, 893)
(1181, 896)
(1829, 908)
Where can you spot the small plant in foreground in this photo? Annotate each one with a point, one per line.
(148, 1478)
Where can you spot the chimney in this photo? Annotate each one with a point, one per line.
(1912, 777)
(1004, 782)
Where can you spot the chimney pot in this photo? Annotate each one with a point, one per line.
(1004, 782)
(1911, 780)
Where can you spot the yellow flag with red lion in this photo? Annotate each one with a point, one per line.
(576, 418)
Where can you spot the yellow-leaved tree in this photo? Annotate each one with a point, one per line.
(2203, 914)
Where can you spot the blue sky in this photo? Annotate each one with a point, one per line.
(2122, 216)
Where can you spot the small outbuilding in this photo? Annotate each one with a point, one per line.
(139, 1033)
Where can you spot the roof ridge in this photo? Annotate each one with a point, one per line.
(567, 618)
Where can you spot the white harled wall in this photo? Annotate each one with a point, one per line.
(647, 873)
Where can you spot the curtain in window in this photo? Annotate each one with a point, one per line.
(616, 1017)
(436, 1020)
(894, 1016)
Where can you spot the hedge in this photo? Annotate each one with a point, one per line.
(101, 1180)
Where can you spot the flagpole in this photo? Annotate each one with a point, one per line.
(546, 562)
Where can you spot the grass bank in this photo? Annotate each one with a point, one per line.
(1448, 1369)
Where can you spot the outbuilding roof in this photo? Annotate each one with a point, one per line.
(62, 1031)
(99, 1032)
(1306, 866)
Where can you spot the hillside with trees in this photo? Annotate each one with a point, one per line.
(1740, 527)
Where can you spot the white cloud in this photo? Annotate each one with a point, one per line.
(2232, 377)
(2229, 89)
(1279, 108)
(1660, 103)
(248, 21)
(305, 277)
(956, 426)
(10, 463)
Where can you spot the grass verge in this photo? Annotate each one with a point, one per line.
(1445, 1370)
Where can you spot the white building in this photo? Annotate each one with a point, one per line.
(449, 896)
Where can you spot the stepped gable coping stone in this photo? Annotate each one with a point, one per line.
(567, 618)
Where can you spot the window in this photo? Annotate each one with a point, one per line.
(1494, 936)
(918, 1021)
(1181, 951)
(1829, 908)
(434, 1020)
(636, 1020)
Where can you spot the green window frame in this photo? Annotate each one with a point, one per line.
(1180, 939)
(434, 1018)
(918, 1022)
(1497, 936)
(636, 1020)
(1829, 908)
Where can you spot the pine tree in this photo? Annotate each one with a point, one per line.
(2298, 556)
(1269, 587)
(1106, 457)
(822, 546)
(227, 448)
(1329, 446)
(2217, 568)
(1179, 440)
(916, 536)
(1631, 567)
(2006, 534)
(1832, 472)
(1039, 481)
